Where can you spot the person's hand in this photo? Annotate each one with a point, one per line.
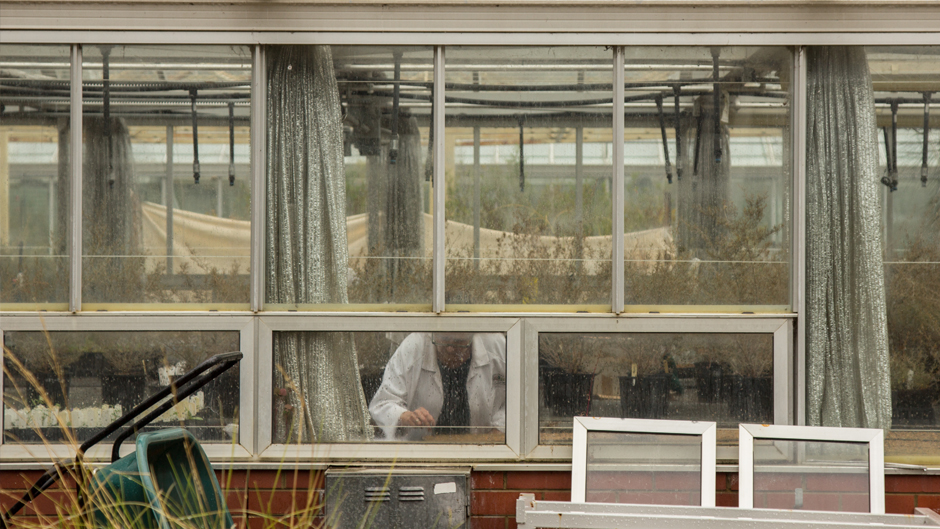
(419, 417)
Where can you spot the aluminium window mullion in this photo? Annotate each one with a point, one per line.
(257, 141)
(798, 126)
(617, 251)
(438, 184)
(75, 186)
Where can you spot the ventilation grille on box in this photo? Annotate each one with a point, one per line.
(377, 494)
(411, 494)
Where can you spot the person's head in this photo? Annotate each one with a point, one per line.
(452, 348)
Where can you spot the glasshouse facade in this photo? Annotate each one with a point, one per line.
(695, 211)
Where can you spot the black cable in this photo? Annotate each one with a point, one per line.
(393, 143)
(677, 90)
(231, 144)
(717, 103)
(521, 154)
(923, 164)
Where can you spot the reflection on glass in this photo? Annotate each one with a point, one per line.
(811, 475)
(706, 176)
(419, 387)
(34, 175)
(726, 378)
(166, 201)
(86, 380)
(528, 166)
(904, 80)
(386, 98)
(661, 469)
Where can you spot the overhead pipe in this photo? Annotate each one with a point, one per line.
(717, 103)
(662, 129)
(521, 153)
(891, 150)
(393, 144)
(192, 98)
(106, 109)
(231, 144)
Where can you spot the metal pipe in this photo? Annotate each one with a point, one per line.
(477, 175)
(662, 129)
(106, 109)
(677, 90)
(192, 97)
(717, 103)
(522, 153)
(168, 199)
(396, 96)
(75, 182)
(231, 144)
(923, 165)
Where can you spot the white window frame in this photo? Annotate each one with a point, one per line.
(704, 430)
(874, 437)
(127, 322)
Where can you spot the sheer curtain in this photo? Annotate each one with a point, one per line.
(846, 329)
(307, 253)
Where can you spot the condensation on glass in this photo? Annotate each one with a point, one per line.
(907, 90)
(34, 176)
(386, 97)
(811, 475)
(166, 175)
(60, 384)
(662, 469)
(454, 382)
(726, 378)
(529, 167)
(706, 176)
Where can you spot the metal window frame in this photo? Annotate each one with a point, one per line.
(127, 322)
(780, 327)
(874, 437)
(705, 430)
(269, 324)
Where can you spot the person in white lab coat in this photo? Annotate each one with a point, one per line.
(442, 380)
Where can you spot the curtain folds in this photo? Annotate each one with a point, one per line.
(307, 255)
(846, 333)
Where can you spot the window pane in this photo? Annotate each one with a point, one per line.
(811, 475)
(152, 233)
(726, 378)
(417, 387)
(658, 469)
(706, 222)
(528, 202)
(34, 175)
(86, 380)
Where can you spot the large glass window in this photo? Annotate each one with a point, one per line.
(34, 176)
(440, 387)
(906, 83)
(706, 176)
(528, 169)
(166, 191)
(60, 385)
(726, 378)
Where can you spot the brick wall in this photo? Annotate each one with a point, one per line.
(261, 498)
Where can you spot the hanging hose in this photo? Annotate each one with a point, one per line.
(662, 128)
(106, 109)
(923, 163)
(192, 98)
(429, 161)
(891, 150)
(393, 144)
(677, 90)
(886, 179)
(717, 103)
(698, 144)
(521, 154)
(231, 144)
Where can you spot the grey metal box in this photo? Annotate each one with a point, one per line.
(397, 498)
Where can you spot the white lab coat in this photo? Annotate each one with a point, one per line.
(412, 380)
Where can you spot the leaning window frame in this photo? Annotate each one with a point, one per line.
(51, 322)
(873, 437)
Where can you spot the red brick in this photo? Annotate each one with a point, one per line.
(899, 503)
(557, 495)
(487, 522)
(821, 501)
(19, 479)
(493, 503)
(602, 496)
(726, 499)
(538, 480)
(282, 479)
(855, 503)
(658, 498)
(676, 481)
(778, 481)
(775, 500)
(929, 484)
(733, 482)
(721, 481)
(486, 480)
(620, 480)
(837, 482)
(279, 501)
(930, 502)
